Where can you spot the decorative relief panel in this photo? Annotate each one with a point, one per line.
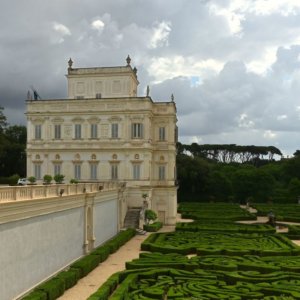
(137, 105)
(57, 120)
(68, 131)
(80, 87)
(115, 105)
(116, 87)
(104, 130)
(161, 109)
(59, 107)
(99, 87)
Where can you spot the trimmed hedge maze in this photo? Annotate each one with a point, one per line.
(214, 211)
(204, 243)
(154, 283)
(224, 227)
(211, 258)
(264, 265)
(293, 232)
(283, 212)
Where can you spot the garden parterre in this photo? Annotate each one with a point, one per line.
(233, 264)
(214, 211)
(222, 226)
(205, 242)
(283, 212)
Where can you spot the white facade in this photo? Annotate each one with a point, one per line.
(104, 132)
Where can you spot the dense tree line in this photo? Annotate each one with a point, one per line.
(231, 153)
(237, 173)
(12, 148)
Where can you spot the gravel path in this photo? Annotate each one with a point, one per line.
(114, 263)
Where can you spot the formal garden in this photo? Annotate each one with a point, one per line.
(212, 258)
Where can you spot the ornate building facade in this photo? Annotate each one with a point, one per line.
(104, 132)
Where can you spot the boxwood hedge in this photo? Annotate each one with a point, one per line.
(230, 261)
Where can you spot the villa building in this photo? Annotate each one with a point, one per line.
(104, 132)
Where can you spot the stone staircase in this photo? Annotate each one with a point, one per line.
(132, 218)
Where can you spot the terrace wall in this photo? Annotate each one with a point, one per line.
(41, 236)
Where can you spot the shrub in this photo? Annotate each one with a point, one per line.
(13, 180)
(53, 288)
(32, 179)
(153, 227)
(47, 179)
(103, 252)
(36, 295)
(59, 178)
(150, 215)
(69, 277)
(115, 243)
(106, 289)
(73, 181)
(86, 264)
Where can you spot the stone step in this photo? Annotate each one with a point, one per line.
(132, 218)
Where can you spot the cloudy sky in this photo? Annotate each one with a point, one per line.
(232, 65)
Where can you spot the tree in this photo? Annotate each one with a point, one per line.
(12, 151)
(294, 189)
(192, 175)
(150, 215)
(219, 186)
(297, 153)
(252, 182)
(291, 168)
(16, 134)
(3, 120)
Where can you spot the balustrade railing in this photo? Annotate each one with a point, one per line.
(29, 192)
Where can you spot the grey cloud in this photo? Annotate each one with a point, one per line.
(33, 53)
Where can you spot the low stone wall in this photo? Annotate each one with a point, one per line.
(42, 235)
(29, 192)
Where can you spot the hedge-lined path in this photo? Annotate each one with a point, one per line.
(114, 263)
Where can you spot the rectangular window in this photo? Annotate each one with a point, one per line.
(93, 171)
(162, 133)
(37, 171)
(38, 132)
(77, 131)
(136, 171)
(161, 172)
(114, 171)
(115, 130)
(77, 171)
(57, 132)
(137, 130)
(176, 134)
(94, 131)
(57, 169)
